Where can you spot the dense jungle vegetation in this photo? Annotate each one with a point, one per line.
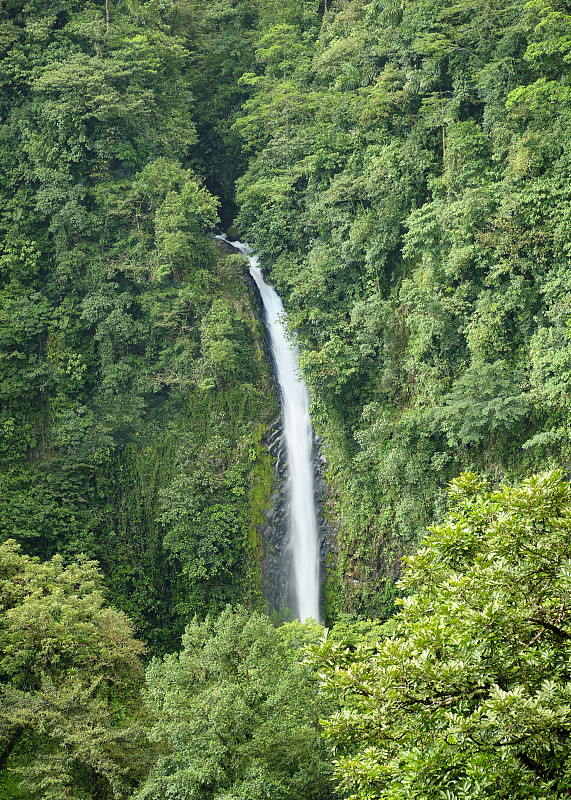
(403, 168)
(409, 189)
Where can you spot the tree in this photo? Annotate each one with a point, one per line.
(239, 714)
(468, 695)
(71, 671)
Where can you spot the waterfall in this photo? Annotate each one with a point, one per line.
(298, 436)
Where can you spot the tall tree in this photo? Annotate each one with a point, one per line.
(468, 694)
(71, 672)
(239, 714)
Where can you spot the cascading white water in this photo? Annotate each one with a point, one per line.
(298, 436)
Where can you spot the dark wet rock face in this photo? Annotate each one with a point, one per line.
(274, 532)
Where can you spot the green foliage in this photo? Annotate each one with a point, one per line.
(128, 352)
(408, 191)
(485, 402)
(238, 712)
(468, 694)
(70, 675)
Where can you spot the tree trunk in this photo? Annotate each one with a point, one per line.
(10, 745)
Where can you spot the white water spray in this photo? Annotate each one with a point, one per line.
(298, 436)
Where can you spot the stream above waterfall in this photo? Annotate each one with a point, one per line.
(298, 436)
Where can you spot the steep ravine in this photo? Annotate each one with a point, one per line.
(294, 533)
